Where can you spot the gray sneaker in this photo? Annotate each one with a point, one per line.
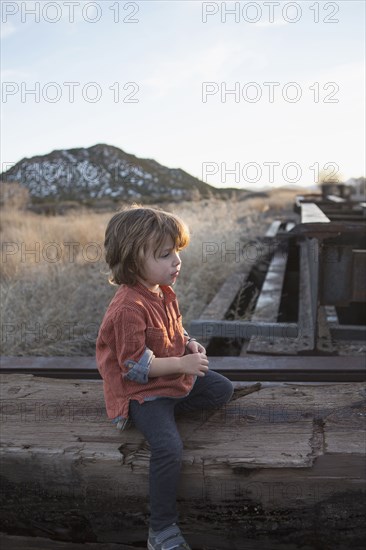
(169, 538)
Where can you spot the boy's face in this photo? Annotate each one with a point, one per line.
(162, 269)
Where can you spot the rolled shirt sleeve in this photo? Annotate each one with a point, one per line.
(134, 357)
(139, 370)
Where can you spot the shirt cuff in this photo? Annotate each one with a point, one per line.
(139, 370)
(122, 423)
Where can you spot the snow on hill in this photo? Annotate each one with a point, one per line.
(103, 171)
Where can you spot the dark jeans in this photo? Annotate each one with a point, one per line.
(156, 420)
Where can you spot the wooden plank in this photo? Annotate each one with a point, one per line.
(220, 305)
(311, 213)
(50, 415)
(225, 297)
(303, 341)
(280, 452)
(54, 417)
(222, 301)
(336, 199)
(269, 300)
(211, 323)
(273, 228)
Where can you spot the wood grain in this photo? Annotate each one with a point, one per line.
(280, 455)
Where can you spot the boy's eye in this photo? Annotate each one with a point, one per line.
(167, 253)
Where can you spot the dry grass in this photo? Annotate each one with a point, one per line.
(54, 288)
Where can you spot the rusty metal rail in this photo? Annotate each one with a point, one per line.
(330, 277)
(252, 368)
(335, 208)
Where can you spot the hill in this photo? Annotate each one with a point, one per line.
(104, 172)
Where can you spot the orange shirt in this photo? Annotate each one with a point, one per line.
(138, 326)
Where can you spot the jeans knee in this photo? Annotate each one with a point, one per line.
(226, 392)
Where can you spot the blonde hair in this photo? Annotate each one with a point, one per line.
(129, 235)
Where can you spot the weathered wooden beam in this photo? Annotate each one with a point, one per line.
(311, 213)
(302, 340)
(220, 304)
(286, 454)
(290, 226)
(336, 199)
(223, 299)
(273, 228)
(269, 300)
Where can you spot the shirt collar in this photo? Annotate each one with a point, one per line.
(169, 294)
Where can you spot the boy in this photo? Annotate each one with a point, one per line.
(150, 367)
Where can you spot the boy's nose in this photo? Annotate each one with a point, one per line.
(177, 261)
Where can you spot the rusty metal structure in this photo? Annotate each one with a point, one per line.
(312, 298)
(309, 314)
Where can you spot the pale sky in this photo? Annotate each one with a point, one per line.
(154, 78)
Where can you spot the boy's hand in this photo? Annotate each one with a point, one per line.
(195, 363)
(195, 347)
